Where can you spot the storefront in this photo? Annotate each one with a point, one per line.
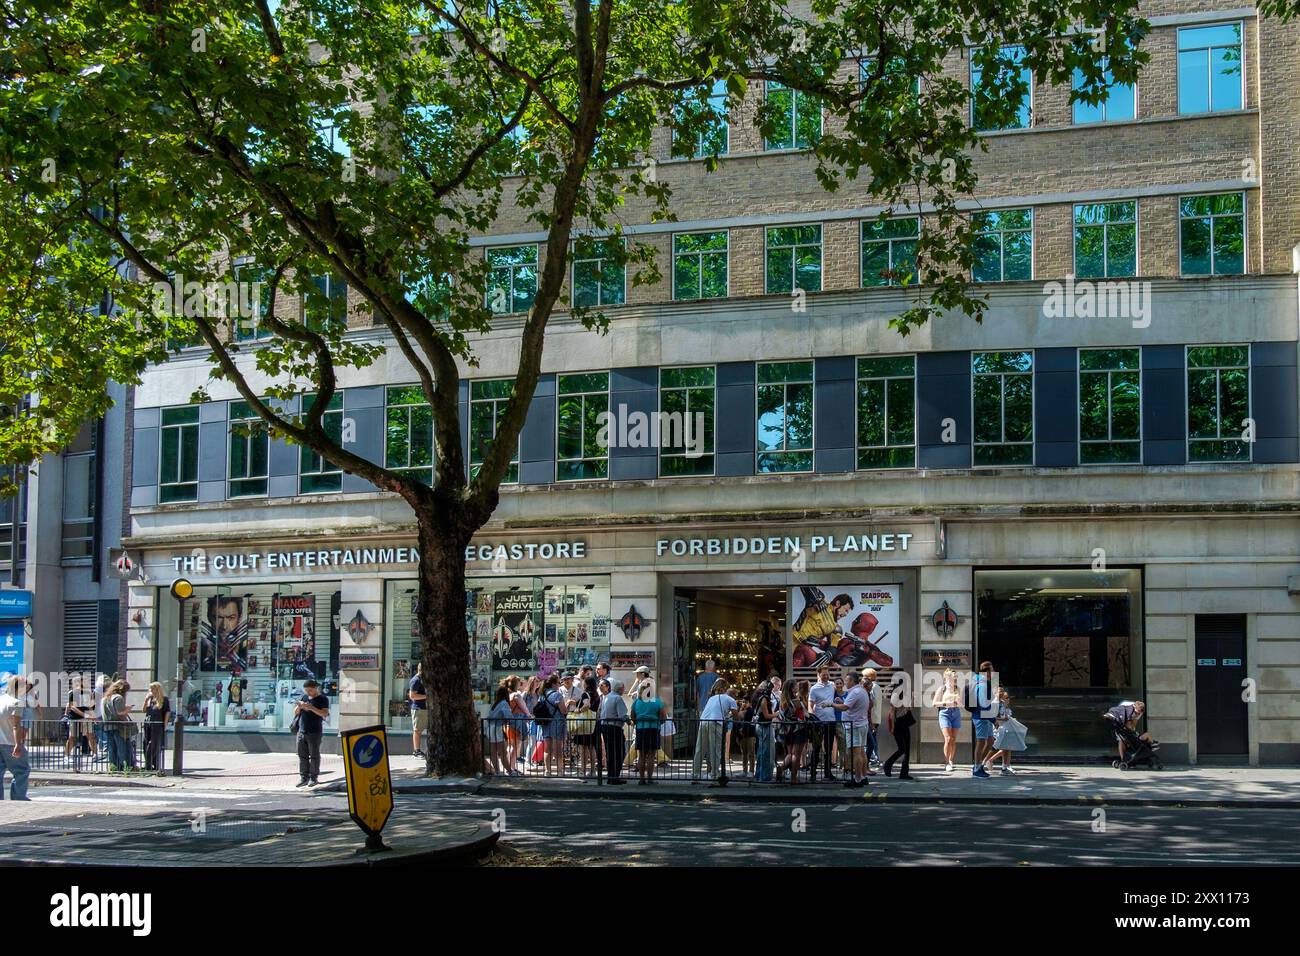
(910, 596)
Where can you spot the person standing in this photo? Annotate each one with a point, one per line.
(554, 725)
(794, 718)
(648, 713)
(709, 741)
(948, 701)
(14, 759)
(704, 682)
(157, 715)
(983, 707)
(586, 708)
(79, 716)
(1004, 714)
(820, 698)
(899, 720)
(419, 710)
(763, 714)
(744, 732)
(118, 727)
(857, 715)
(312, 710)
(612, 718)
(498, 719)
(877, 709)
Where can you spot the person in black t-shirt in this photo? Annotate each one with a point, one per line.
(312, 711)
(419, 710)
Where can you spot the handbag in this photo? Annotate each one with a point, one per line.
(903, 721)
(1011, 735)
(668, 728)
(295, 725)
(581, 724)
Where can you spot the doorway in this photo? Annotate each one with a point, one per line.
(741, 629)
(1222, 729)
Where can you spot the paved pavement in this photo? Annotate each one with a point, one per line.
(1270, 787)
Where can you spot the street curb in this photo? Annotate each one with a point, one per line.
(723, 794)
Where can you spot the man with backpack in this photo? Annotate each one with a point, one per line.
(982, 707)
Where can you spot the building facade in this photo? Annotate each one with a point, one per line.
(1095, 488)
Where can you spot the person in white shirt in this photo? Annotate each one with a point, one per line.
(14, 709)
(719, 708)
(821, 697)
(857, 714)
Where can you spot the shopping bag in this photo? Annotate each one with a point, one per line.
(539, 752)
(1011, 735)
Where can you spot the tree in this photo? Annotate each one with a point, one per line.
(374, 141)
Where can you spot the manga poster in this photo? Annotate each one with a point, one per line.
(514, 635)
(843, 628)
(293, 633)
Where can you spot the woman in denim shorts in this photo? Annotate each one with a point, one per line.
(948, 700)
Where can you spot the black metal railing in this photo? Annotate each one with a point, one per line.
(96, 746)
(693, 750)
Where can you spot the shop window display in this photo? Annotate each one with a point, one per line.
(241, 655)
(516, 626)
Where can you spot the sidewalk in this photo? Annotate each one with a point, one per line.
(1272, 787)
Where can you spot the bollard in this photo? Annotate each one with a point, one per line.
(178, 747)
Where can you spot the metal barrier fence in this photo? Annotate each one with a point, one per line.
(96, 746)
(582, 747)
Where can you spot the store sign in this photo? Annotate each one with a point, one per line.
(15, 604)
(782, 545)
(631, 660)
(359, 662)
(943, 657)
(370, 785)
(532, 551)
(11, 649)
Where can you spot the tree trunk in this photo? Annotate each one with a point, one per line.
(454, 747)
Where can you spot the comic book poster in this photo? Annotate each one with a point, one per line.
(293, 633)
(223, 635)
(844, 628)
(515, 637)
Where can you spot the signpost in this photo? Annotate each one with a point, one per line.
(370, 784)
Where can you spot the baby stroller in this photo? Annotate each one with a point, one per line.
(1136, 750)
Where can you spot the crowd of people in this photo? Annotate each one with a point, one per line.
(585, 723)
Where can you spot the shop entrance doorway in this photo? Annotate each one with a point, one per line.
(1221, 720)
(742, 629)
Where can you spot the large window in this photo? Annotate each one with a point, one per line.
(984, 98)
(794, 259)
(1212, 234)
(1218, 402)
(1105, 240)
(79, 495)
(249, 278)
(325, 306)
(1066, 644)
(709, 119)
(1004, 245)
(598, 277)
(785, 417)
(408, 432)
(315, 474)
(1209, 68)
(512, 278)
(1003, 385)
(1120, 102)
(487, 403)
(700, 265)
(249, 451)
(687, 397)
(887, 412)
(1110, 406)
(797, 118)
(889, 251)
(579, 453)
(178, 457)
(245, 650)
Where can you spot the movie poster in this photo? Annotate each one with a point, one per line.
(844, 628)
(293, 633)
(514, 635)
(223, 635)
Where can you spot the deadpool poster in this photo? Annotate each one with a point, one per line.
(843, 628)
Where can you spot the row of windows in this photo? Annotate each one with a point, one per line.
(1212, 241)
(1210, 80)
(1002, 410)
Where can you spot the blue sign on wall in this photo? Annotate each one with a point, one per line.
(15, 604)
(11, 650)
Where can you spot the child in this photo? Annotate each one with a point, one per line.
(1004, 712)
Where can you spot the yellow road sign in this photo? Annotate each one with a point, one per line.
(370, 785)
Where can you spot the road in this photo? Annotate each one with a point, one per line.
(740, 834)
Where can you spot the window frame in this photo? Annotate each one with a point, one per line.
(608, 392)
(1104, 104)
(1002, 247)
(795, 96)
(659, 406)
(513, 267)
(1245, 234)
(889, 243)
(857, 412)
(573, 275)
(697, 150)
(313, 322)
(811, 450)
(1178, 69)
(322, 471)
(726, 253)
(261, 332)
(970, 84)
(1187, 404)
(1078, 411)
(516, 462)
(794, 270)
(1033, 409)
(70, 458)
(409, 469)
(258, 424)
(1137, 239)
(163, 428)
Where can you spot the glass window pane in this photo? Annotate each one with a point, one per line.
(1229, 245)
(1194, 81)
(1195, 236)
